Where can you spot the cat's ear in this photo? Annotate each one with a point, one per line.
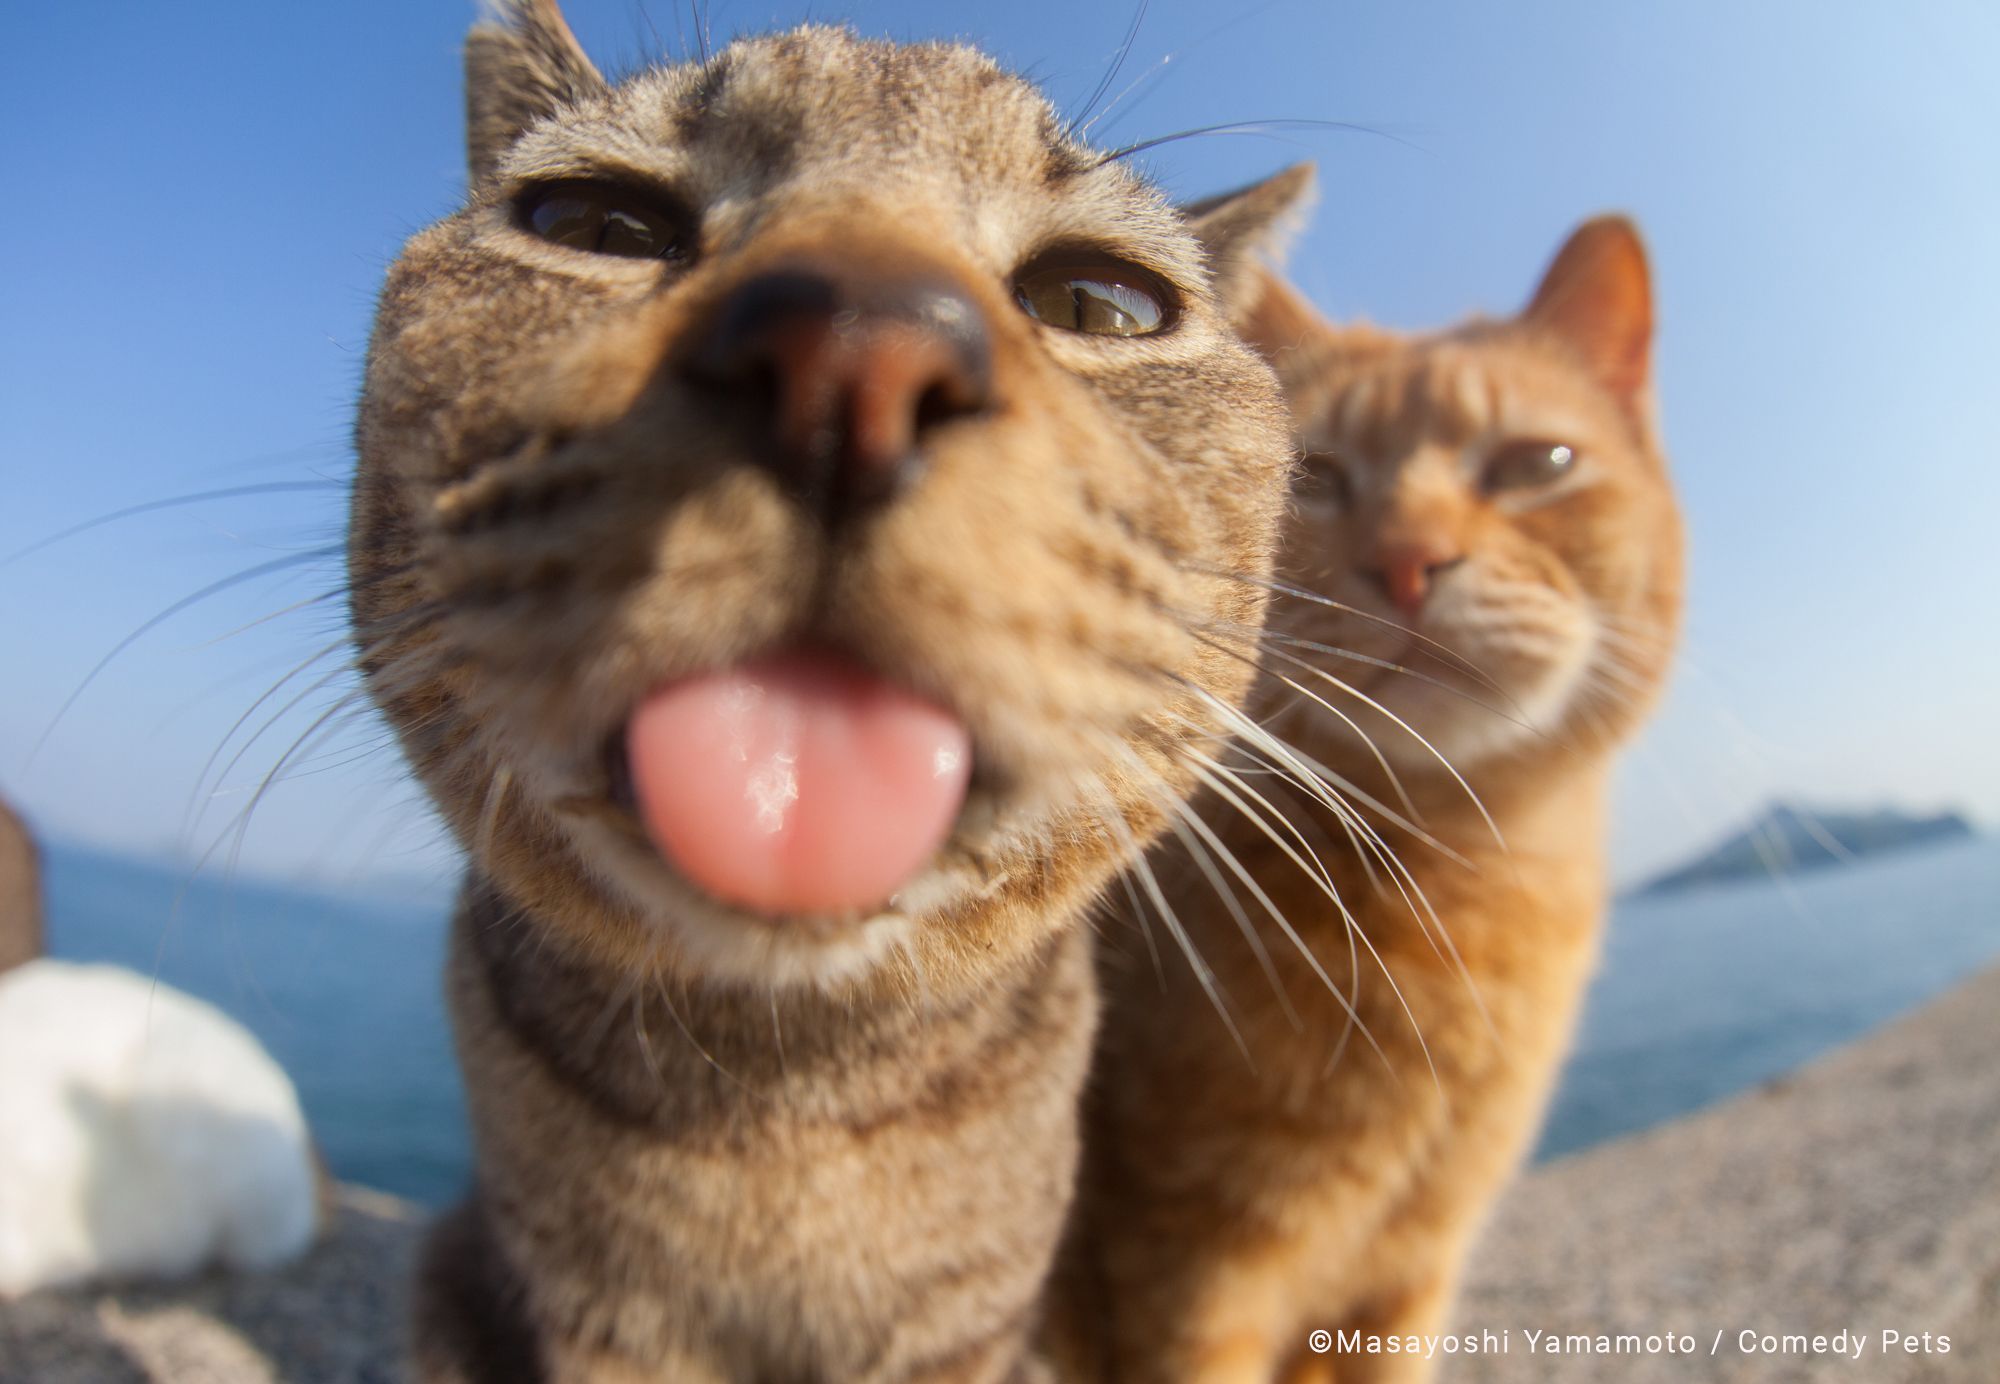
(1597, 298)
(521, 63)
(1245, 230)
(1276, 319)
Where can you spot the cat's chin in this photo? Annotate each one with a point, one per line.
(706, 937)
(1467, 723)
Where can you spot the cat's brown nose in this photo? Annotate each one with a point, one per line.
(843, 372)
(1407, 571)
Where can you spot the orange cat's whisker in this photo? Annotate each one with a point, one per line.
(1514, 712)
(1444, 652)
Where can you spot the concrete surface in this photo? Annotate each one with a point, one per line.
(1861, 1194)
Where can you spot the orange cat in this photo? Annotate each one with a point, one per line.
(1487, 558)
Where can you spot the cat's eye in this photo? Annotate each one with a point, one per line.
(604, 219)
(1322, 482)
(1096, 295)
(1527, 464)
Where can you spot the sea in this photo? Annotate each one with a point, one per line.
(1701, 994)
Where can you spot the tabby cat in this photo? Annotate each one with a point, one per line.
(1485, 576)
(790, 492)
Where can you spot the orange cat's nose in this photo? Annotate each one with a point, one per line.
(1406, 572)
(843, 372)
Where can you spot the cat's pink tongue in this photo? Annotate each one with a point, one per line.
(797, 783)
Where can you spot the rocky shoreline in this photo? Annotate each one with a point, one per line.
(1859, 1195)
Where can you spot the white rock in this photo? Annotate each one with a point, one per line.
(143, 1133)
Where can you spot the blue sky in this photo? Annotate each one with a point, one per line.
(204, 199)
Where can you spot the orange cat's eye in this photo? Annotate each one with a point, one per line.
(1322, 482)
(1526, 464)
(603, 219)
(1096, 295)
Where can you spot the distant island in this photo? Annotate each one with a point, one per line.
(1786, 839)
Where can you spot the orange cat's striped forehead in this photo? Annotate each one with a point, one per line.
(1386, 401)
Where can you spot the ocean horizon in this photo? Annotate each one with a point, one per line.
(1700, 994)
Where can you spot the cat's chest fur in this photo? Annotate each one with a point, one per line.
(828, 1199)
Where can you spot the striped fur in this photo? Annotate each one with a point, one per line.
(712, 1145)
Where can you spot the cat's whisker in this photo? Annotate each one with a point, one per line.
(1400, 875)
(262, 569)
(1368, 741)
(1145, 927)
(403, 622)
(1218, 779)
(1314, 769)
(778, 1038)
(700, 9)
(1248, 127)
(208, 766)
(1444, 652)
(666, 999)
(222, 775)
(1301, 770)
(1517, 716)
(497, 788)
(625, 994)
(1203, 848)
(1479, 806)
(1327, 788)
(1150, 75)
(1197, 44)
(911, 955)
(1077, 125)
(232, 492)
(1643, 646)
(1297, 818)
(238, 827)
(1409, 822)
(323, 598)
(1150, 884)
(642, 1036)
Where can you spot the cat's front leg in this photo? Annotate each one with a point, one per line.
(1417, 1312)
(1230, 1328)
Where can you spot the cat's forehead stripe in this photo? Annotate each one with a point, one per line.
(1462, 394)
(769, 88)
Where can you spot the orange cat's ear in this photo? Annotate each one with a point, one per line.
(1244, 229)
(1277, 318)
(1597, 297)
(521, 63)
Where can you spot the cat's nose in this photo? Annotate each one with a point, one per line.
(1406, 572)
(844, 373)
